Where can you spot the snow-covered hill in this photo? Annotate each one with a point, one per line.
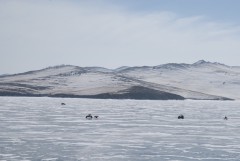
(204, 77)
(200, 80)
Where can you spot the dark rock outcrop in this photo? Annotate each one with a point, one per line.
(135, 92)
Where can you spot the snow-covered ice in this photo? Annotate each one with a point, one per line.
(127, 130)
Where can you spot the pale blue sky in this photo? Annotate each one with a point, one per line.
(112, 33)
(222, 10)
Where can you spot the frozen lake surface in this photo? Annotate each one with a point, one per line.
(127, 130)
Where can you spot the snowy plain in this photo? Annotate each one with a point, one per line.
(127, 130)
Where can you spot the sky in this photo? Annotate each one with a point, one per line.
(112, 33)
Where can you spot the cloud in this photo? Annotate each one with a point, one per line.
(35, 34)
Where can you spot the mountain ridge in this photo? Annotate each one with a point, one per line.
(201, 80)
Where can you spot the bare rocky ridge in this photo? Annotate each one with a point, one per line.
(201, 80)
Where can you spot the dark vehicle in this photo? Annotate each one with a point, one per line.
(89, 116)
(180, 117)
